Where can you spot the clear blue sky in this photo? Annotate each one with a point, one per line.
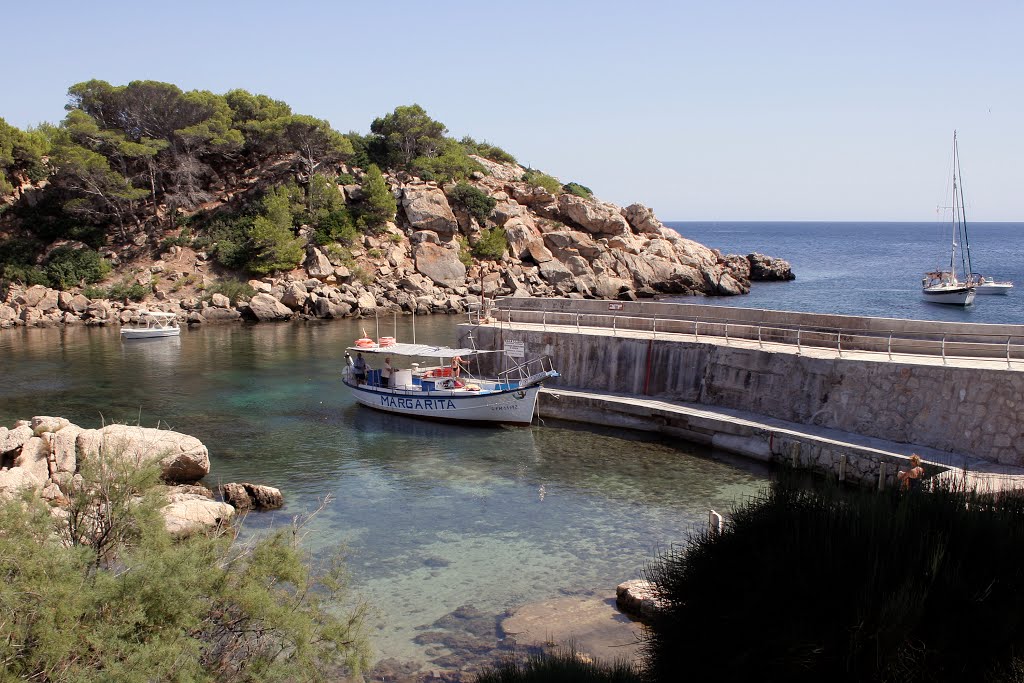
(701, 110)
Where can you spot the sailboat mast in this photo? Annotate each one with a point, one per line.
(956, 216)
(966, 251)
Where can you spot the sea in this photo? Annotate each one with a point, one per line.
(445, 528)
(869, 268)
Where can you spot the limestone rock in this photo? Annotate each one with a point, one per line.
(34, 456)
(15, 480)
(44, 423)
(182, 458)
(220, 301)
(440, 264)
(317, 264)
(642, 219)
(265, 307)
(13, 439)
(638, 596)
(427, 208)
(507, 172)
(189, 513)
(64, 451)
(295, 296)
(245, 496)
(32, 296)
(593, 216)
(767, 268)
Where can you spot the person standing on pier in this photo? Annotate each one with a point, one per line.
(911, 479)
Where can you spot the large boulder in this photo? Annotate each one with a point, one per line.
(767, 268)
(13, 439)
(189, 513)
(34, 456)
(15, 480)
(506, 172)
(31, 296)
(317, 264)
(182, 458)
(427, 208)
(264, 307)
(295, 296)
(593, 216)
(642, 219)
(439, 263)
(245, 496)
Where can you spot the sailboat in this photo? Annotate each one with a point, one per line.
(943, 286)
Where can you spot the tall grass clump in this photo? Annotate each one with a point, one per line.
(815, 584)
(559, 667)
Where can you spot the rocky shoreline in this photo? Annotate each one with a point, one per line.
(558, 245)
(47, 456)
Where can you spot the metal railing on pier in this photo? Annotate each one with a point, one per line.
(973, 346)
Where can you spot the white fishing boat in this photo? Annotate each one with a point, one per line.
(447, 389)
(943, 286)
(988, 285)
(152, 324)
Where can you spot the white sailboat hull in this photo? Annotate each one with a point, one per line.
(514, 406)
(954, 296)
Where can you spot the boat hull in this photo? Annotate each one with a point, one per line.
(953, 296)
(513, 406)
(996, 288)
(127, 333)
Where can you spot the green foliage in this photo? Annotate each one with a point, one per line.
(183, 239)
(558, 667)
(232, 289)
(476, 201)
(578, 190)
(378, 206)
(67, 267)
(272, 243)
(849, 586)
(465, 252)
(538, 179)
(492, 244)
(487, 151)
(449, 162)
(104, 593)
(337, 226)
(346, 179)
(21, 152)
(229, 236)
(126, 290)
(408, 133)
(17, 262)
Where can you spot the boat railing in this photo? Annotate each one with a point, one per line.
(802, 338)
(523, 369)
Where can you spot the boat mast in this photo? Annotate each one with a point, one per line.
(966, 251)
(956, 215)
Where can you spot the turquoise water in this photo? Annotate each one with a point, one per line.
(435, 519)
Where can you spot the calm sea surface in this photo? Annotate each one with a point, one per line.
(433, 517)
(869, 268)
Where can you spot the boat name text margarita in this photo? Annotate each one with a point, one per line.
(417, 403)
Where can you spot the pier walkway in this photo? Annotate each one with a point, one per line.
(850, 395)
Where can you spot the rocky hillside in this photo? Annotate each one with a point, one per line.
(557, 245)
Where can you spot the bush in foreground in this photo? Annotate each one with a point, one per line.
(559, 667)
(825, 584)
(104, 594)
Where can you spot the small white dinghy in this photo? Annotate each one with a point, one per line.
(152, 324)
(446, 391)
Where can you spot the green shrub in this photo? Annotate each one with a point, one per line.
(17, 261)
(396, 238)
(558, 667)
(337, 226)
(94, 292)
(492, 244)
(578, 190)
(450, 163)
(537, 179)
(271, 243)
(378, 205)
(346, 179)
(125, 290)
(465, 252)
(66, 267)
(183, 239)
(487, 151)
(476, 201)
(839, 585)
(232, 289)
(104, 593)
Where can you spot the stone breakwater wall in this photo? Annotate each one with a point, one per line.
(969, 411)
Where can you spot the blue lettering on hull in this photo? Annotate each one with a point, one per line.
(434, 404)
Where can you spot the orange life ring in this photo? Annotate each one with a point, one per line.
(387, 341)
(364, 343)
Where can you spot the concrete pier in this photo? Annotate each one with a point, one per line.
(861, 410)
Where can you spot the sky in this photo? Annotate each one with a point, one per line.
(703, 111)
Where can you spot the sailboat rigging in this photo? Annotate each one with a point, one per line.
(944, 286)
